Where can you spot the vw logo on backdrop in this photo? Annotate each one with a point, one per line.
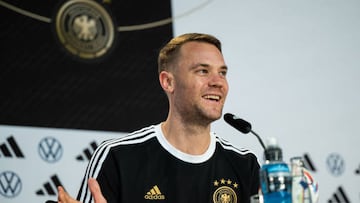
(335, 164)
(10, 184)
(50, 149)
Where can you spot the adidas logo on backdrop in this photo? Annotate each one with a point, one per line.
(87, 152)
(49, 187)
(339, 196)
(308, 163)
(10, 148)
(357, 171)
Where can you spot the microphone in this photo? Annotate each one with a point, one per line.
(241, 125)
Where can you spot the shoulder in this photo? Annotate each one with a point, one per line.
(228, 148)
(243, 159)
(136, 137)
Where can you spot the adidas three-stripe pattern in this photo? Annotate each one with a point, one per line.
(128, 169)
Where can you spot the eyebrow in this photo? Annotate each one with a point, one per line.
(224, 67)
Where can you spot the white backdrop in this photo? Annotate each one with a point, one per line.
(293, 73)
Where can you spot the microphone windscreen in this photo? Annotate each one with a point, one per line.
(238, 123)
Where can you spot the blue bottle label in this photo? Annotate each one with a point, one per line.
(276, 183)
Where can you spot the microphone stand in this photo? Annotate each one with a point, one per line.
(258, 137)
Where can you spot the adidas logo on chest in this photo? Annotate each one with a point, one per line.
(154, 194)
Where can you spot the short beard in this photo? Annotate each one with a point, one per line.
(199, 117)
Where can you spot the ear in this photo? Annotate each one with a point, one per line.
(167, 81)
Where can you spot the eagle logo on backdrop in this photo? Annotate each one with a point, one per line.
(225, 191)
(85, 28)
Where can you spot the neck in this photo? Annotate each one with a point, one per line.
(187, 137)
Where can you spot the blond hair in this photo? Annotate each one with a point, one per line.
(169, 53)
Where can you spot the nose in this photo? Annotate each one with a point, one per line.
(217, 80)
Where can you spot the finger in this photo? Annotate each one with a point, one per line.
(96, 191)
(64, 197)
(61, 195)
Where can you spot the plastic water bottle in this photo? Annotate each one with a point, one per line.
(275, 175)
(303, 191)
(298, 190)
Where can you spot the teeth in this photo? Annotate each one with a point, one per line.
(213, 97)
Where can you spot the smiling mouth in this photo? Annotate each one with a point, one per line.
(212, 97)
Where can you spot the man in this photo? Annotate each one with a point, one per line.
(178, 160)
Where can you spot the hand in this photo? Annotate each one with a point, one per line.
(64, 197)
(95, 190)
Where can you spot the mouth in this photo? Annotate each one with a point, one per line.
(212, 97)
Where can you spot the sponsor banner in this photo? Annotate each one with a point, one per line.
(34, 161)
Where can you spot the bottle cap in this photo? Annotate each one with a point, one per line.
(297, 160)
(273, 151)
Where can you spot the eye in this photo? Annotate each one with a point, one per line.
(203, 71)
(223, 73)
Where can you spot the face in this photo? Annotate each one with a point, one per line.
(200, 85)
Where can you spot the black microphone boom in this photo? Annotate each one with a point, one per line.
(241, 125)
